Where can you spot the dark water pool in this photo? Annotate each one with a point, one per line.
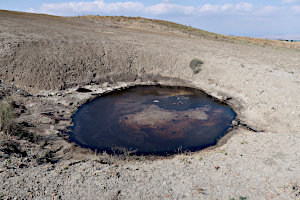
(151, 120)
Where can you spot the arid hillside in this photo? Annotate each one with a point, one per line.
(44, 60)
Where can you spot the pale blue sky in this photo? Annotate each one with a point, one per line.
(275, 19)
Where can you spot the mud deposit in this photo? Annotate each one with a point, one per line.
(151, 120)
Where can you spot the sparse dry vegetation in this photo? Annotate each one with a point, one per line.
(7, 116)
(167, 26)
(195, 65)
(157, 24)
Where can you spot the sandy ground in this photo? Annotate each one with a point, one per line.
(50, 57)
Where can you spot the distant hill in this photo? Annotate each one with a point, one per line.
(171, 27)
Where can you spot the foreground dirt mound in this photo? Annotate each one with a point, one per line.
(44, 60)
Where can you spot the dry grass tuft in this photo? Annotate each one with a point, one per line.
(7, 116)
(195, 65)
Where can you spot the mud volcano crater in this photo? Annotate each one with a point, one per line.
(156, 120)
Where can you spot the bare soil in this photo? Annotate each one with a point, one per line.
(45, 59)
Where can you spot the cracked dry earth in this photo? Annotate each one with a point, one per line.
(45, 59)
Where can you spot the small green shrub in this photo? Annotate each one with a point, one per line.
(7, 116)
(195, 65)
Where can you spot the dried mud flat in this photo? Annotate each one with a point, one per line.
(45, 59)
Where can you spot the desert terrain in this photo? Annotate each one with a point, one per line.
(45, 59)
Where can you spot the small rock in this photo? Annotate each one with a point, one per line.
(235, 123)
